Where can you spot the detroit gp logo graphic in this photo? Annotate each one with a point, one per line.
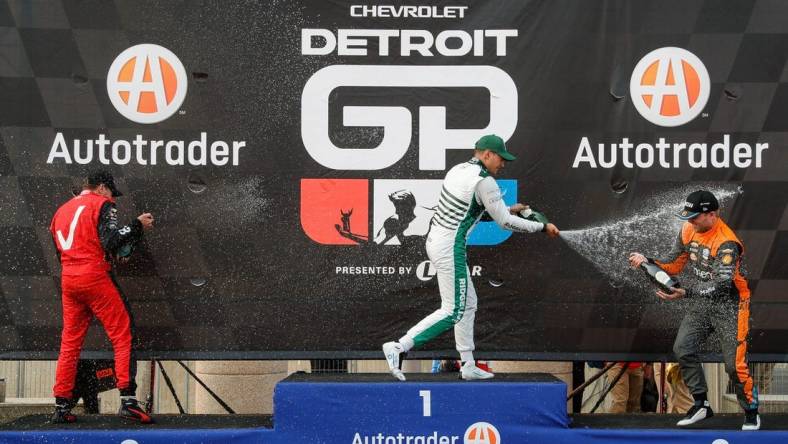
(393, 212)
(669, 86)
(340, 212)
(147, 83)
(482, 433)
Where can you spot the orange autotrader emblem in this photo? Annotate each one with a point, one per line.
(669, 86)
(482, 433)
(147, 83)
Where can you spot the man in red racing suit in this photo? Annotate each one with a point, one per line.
(86, 234)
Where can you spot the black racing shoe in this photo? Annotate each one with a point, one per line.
(130, 409)
(697, 413)
(62, 414)
(752, 420)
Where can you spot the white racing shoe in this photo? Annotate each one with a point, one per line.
(470, 372)
(752, 421)
(696, 413)
(392, 351)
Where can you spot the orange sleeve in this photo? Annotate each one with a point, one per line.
(675, 267)
(676, 259)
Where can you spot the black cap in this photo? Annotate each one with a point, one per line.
(698, 202)
(104, 177)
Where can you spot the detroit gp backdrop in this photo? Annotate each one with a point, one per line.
(292, 154)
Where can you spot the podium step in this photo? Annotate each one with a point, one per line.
(427, 408)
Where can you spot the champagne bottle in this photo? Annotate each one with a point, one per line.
(658, 276)
(533, 215)
(125, 250)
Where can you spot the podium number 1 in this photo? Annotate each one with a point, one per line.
(425, 395)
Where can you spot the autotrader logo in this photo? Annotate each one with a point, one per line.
(482, 433)
(669, 86)
(147, 83)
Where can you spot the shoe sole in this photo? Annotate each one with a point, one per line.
(752, 428)
(142, 420)
(137, 420)
(63, 420)
(474, 378)
(685, 424)
(393, 368)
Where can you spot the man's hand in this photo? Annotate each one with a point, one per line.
(675, 293)
(551, 230)
(635, 259)
(516, 208)
(147, 220)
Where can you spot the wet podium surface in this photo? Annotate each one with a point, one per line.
(164, 421)
(651, 421)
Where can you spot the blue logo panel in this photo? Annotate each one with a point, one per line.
(489, 233)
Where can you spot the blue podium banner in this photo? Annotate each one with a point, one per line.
(674, 436)
(430, 410)
(484, 435)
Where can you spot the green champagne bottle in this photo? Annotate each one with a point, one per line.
(533, 215)
(125, 250)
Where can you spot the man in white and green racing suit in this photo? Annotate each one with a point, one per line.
(469, 190)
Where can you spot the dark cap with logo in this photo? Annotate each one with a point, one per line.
(698, 202)
(496, 145)
(104, 177)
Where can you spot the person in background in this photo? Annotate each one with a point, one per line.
(625, 395)
(678, 397)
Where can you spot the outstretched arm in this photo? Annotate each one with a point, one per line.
(674, 262)
(489, 194)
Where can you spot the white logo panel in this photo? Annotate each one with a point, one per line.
(434, 136)
(403, 208)
(147, 83)
(669, 86)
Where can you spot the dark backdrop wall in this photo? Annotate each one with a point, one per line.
(292, 153)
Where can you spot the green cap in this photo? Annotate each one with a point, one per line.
(495, 144)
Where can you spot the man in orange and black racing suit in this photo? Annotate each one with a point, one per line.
(720, 303)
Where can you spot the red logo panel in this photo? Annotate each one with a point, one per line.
(335, 211)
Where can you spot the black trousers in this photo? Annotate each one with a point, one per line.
(730, 322)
